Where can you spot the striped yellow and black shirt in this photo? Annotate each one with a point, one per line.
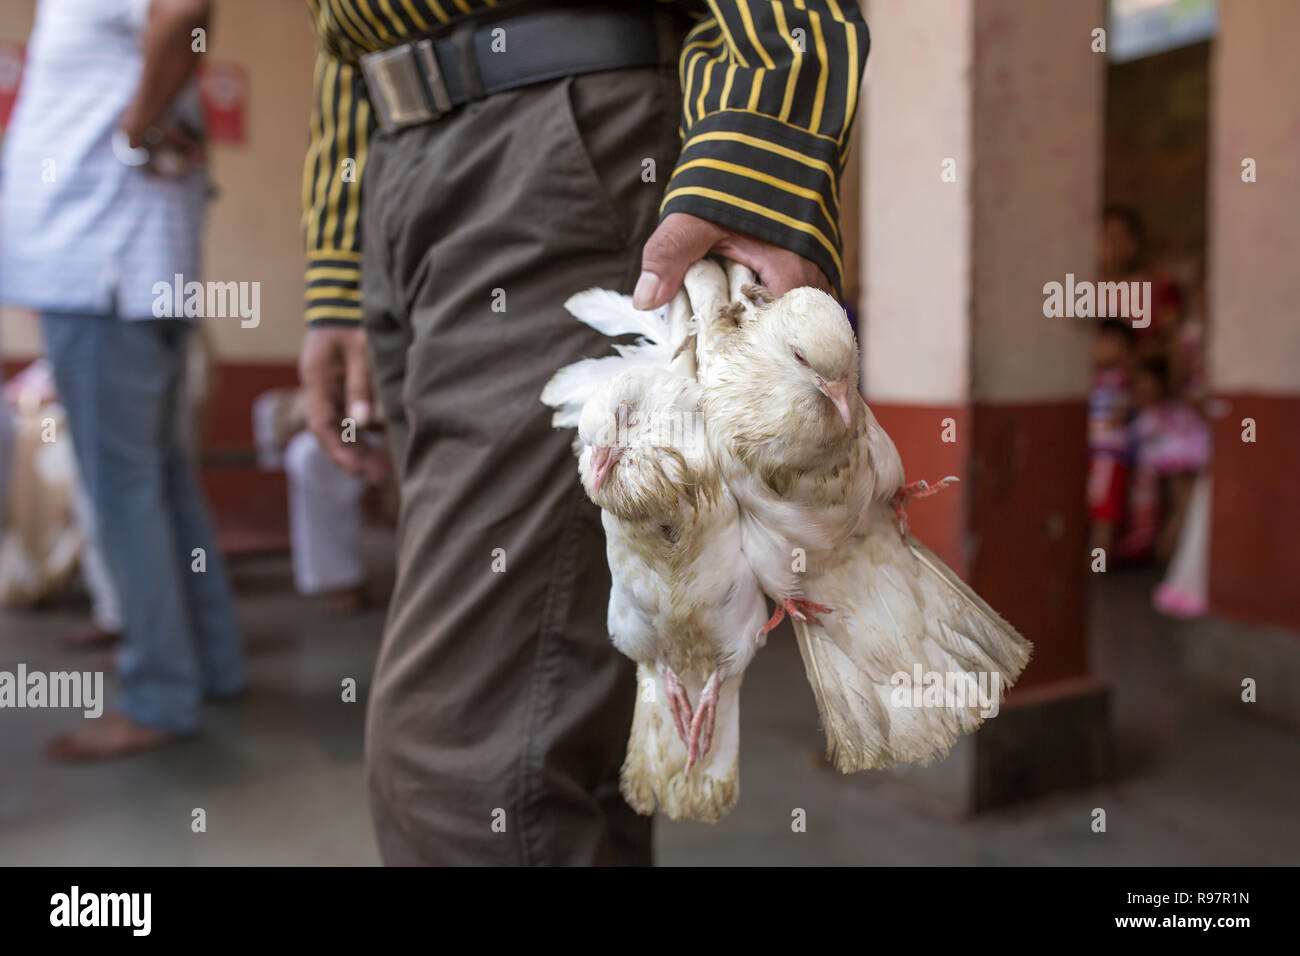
(769, 90)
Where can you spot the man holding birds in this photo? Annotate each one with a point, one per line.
(498, 165)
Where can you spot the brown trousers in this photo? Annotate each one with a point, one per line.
(499, 711)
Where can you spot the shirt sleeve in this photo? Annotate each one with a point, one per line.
(769, 91)
(341, 127)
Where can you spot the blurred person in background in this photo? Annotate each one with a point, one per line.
(104, 192)
(1109, 447)
(1184, 592)
(1124, 257)
(326, 502)
(1173, 447)
(105, 626)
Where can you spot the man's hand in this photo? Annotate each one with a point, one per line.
(335, 372)
(682, 239)
(177, 152)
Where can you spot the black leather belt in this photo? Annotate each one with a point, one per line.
(424, 79)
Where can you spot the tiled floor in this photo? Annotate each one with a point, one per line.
(279, 772)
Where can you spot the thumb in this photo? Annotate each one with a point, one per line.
(356, 381)
(680, 240)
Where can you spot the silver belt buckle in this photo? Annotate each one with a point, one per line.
(398, 90)
(436, 86)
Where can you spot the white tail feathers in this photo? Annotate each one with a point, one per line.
(613, 315)
(902, 615)
(654, 770)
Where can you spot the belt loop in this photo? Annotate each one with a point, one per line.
(462, 39)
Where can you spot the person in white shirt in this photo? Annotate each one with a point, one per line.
(103, 196)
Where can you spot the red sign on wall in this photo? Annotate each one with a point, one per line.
(224, 90)
(11, 73)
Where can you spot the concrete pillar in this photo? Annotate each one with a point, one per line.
(981, 183)
(1254, 363)
(1254, 307)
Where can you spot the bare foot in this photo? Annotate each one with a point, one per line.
(112, 735)
(91, 637)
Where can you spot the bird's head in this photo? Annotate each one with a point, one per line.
(806, 340)
(637, 433)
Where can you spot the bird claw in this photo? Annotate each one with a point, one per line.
(777, 616)
(800, 609)
(706, 714)
(804, 610)
(679, 705)
(917, 489)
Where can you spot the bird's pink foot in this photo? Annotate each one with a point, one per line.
(777, 617)
(803, 610)
(798, 608)
(679, 705)
(917, 489)
(702, 723)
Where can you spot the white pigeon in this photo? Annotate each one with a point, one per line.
(821, 494)
(684, 604)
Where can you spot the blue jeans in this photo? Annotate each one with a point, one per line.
(122, 386)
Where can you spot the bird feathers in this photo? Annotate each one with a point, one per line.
(814, 480)
(683, 603)
(653, 775)
(900, 612)
(788, 483)
(611, 314)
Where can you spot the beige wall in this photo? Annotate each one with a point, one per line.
(916, 228)
(953, 272)
(1254, 255)
(1038, 106)
(253, 231)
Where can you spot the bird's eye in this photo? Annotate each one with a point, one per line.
(798, 356)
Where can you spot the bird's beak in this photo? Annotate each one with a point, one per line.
(603, 458)
(838, 392)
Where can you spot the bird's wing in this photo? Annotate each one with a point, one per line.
(612, 314)
(885, 465)
(570, 387)
(902, 619)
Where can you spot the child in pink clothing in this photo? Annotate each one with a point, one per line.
(1173, 447)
